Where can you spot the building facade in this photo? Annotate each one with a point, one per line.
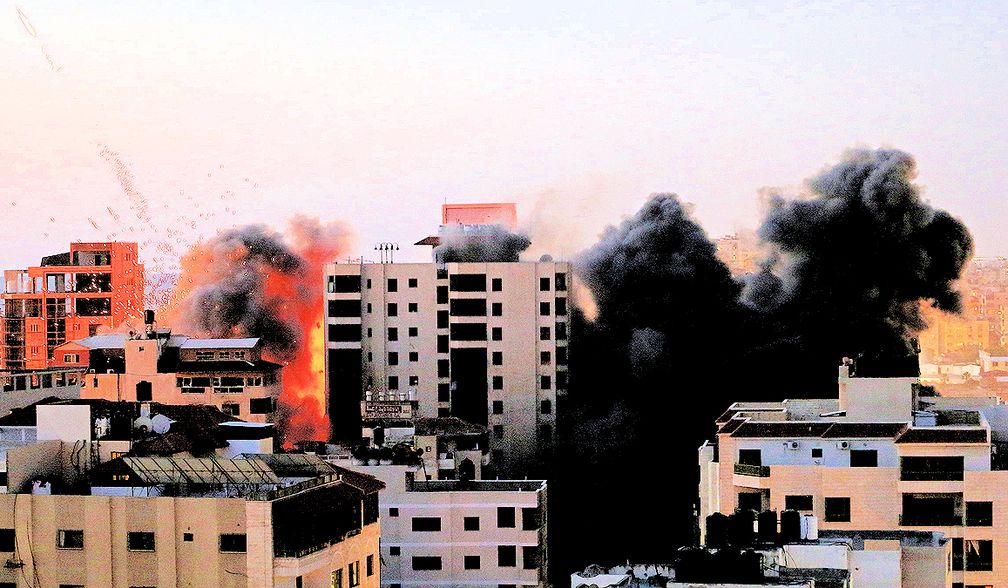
(174, 369)
(888, 455)
(68, 296)
(484, 342)
(461, 534)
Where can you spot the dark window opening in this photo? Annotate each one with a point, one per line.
(837, 510)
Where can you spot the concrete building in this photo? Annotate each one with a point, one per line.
(175, 369)
(68, 296)
(462, 534)
(23, 388)
(446, 448)
(841, 559)
(887, 455)
(484, 342)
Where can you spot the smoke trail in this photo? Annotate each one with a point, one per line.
(857, 257)
(491, 243)
(253, 281)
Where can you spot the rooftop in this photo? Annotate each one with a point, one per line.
(238, 343)
(476, 486)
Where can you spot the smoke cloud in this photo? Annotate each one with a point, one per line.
(253, 281)
(493, 243)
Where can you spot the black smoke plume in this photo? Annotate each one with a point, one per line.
(231, 299)
(491, 243)
(674, 341)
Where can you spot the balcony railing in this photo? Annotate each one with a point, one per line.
(758, 471)
(930, 520)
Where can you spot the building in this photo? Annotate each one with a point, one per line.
(841, 559)
(948, 333)
(739, 253)
(504, 214)
(460, 533)
(23, 388)
(175, 369)
(887, 455)
(446, 448)
(484, 342)
(68, 296)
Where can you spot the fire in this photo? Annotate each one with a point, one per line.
(252, 281)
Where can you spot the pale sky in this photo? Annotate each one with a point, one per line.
(374, 114)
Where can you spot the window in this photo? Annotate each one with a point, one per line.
(393, 358)
(561, 306)
(750, 501)
(140, 541)
(507, 556)
(426, 563)
(335, 578)
(345, 284)
(469, 332)
(544, 284)
(394, 550)
(798, 502)
(817, 453)
(369, 308)
(471, 562)
(393, 334)
(230, 408)
(750, 457)
(498, 407)
(561, 380)
(467, 307)
(370, 562)
(443, 412)
(561, 331)
(561, 358)
(544, 333)
(498, 431)
(530, 518)
(949, 468)
(496, 334)
(413, 332)
(393, 285)
(393, 382)
(545, 382)
(530, 557)
(496, 309)
(232, 542)
(470, 524)
(496, 284)
(70, 539)
(498, 382)
(187, 537)
(412, 283)
(864, 458)
(505, 517)
(544, 309)
(345, 333)
(467, 282)
(393, 512)
(979, 555)
(443, 368)
(71, 358)
(442, 294)
(957, 554)
(497, 358)
(561, 281)
(545, 358)
(545, 407)
(343, 308)
(413, 380)
(393, 309)
(260, 405)
(353, 574)
(412, 307)
(426, 524)
(442, 343)
(444, 392)
(204, 356)
(837, 510)
(979, 514)
(6, 540)
(442, 319)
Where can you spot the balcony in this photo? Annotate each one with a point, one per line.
(931, 476)
(758, 471)
(930, 520)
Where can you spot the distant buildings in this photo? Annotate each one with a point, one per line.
(68, 296)
(484, 342)
(737, 252)
(175, 369)
(887, 456)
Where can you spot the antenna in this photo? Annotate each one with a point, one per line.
(387, 251)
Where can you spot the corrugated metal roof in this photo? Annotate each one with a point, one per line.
(109, 341)
(240, 343)
(195, 470)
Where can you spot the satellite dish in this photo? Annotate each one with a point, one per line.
(545, 258)
(143, 423)
(160, 424)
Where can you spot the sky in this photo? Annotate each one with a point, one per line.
(373, 114)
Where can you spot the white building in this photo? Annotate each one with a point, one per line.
(462, 534)
(485, 342)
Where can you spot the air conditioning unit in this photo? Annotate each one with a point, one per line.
(792, 445)
(843, 445)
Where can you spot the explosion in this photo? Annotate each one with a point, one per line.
(254, 282)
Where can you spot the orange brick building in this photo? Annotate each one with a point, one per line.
(68, 296)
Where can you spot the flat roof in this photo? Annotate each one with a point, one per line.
(237, 343)
(972, 435)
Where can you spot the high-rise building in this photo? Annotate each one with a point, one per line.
(484, 342)
(68, 296)
(887, 455)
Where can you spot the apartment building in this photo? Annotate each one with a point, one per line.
(886, 455)
(484, 342)
(210, 522)
(446, 448)
(23, 388)
(462, 534)
(68, 296)
(159, 366)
